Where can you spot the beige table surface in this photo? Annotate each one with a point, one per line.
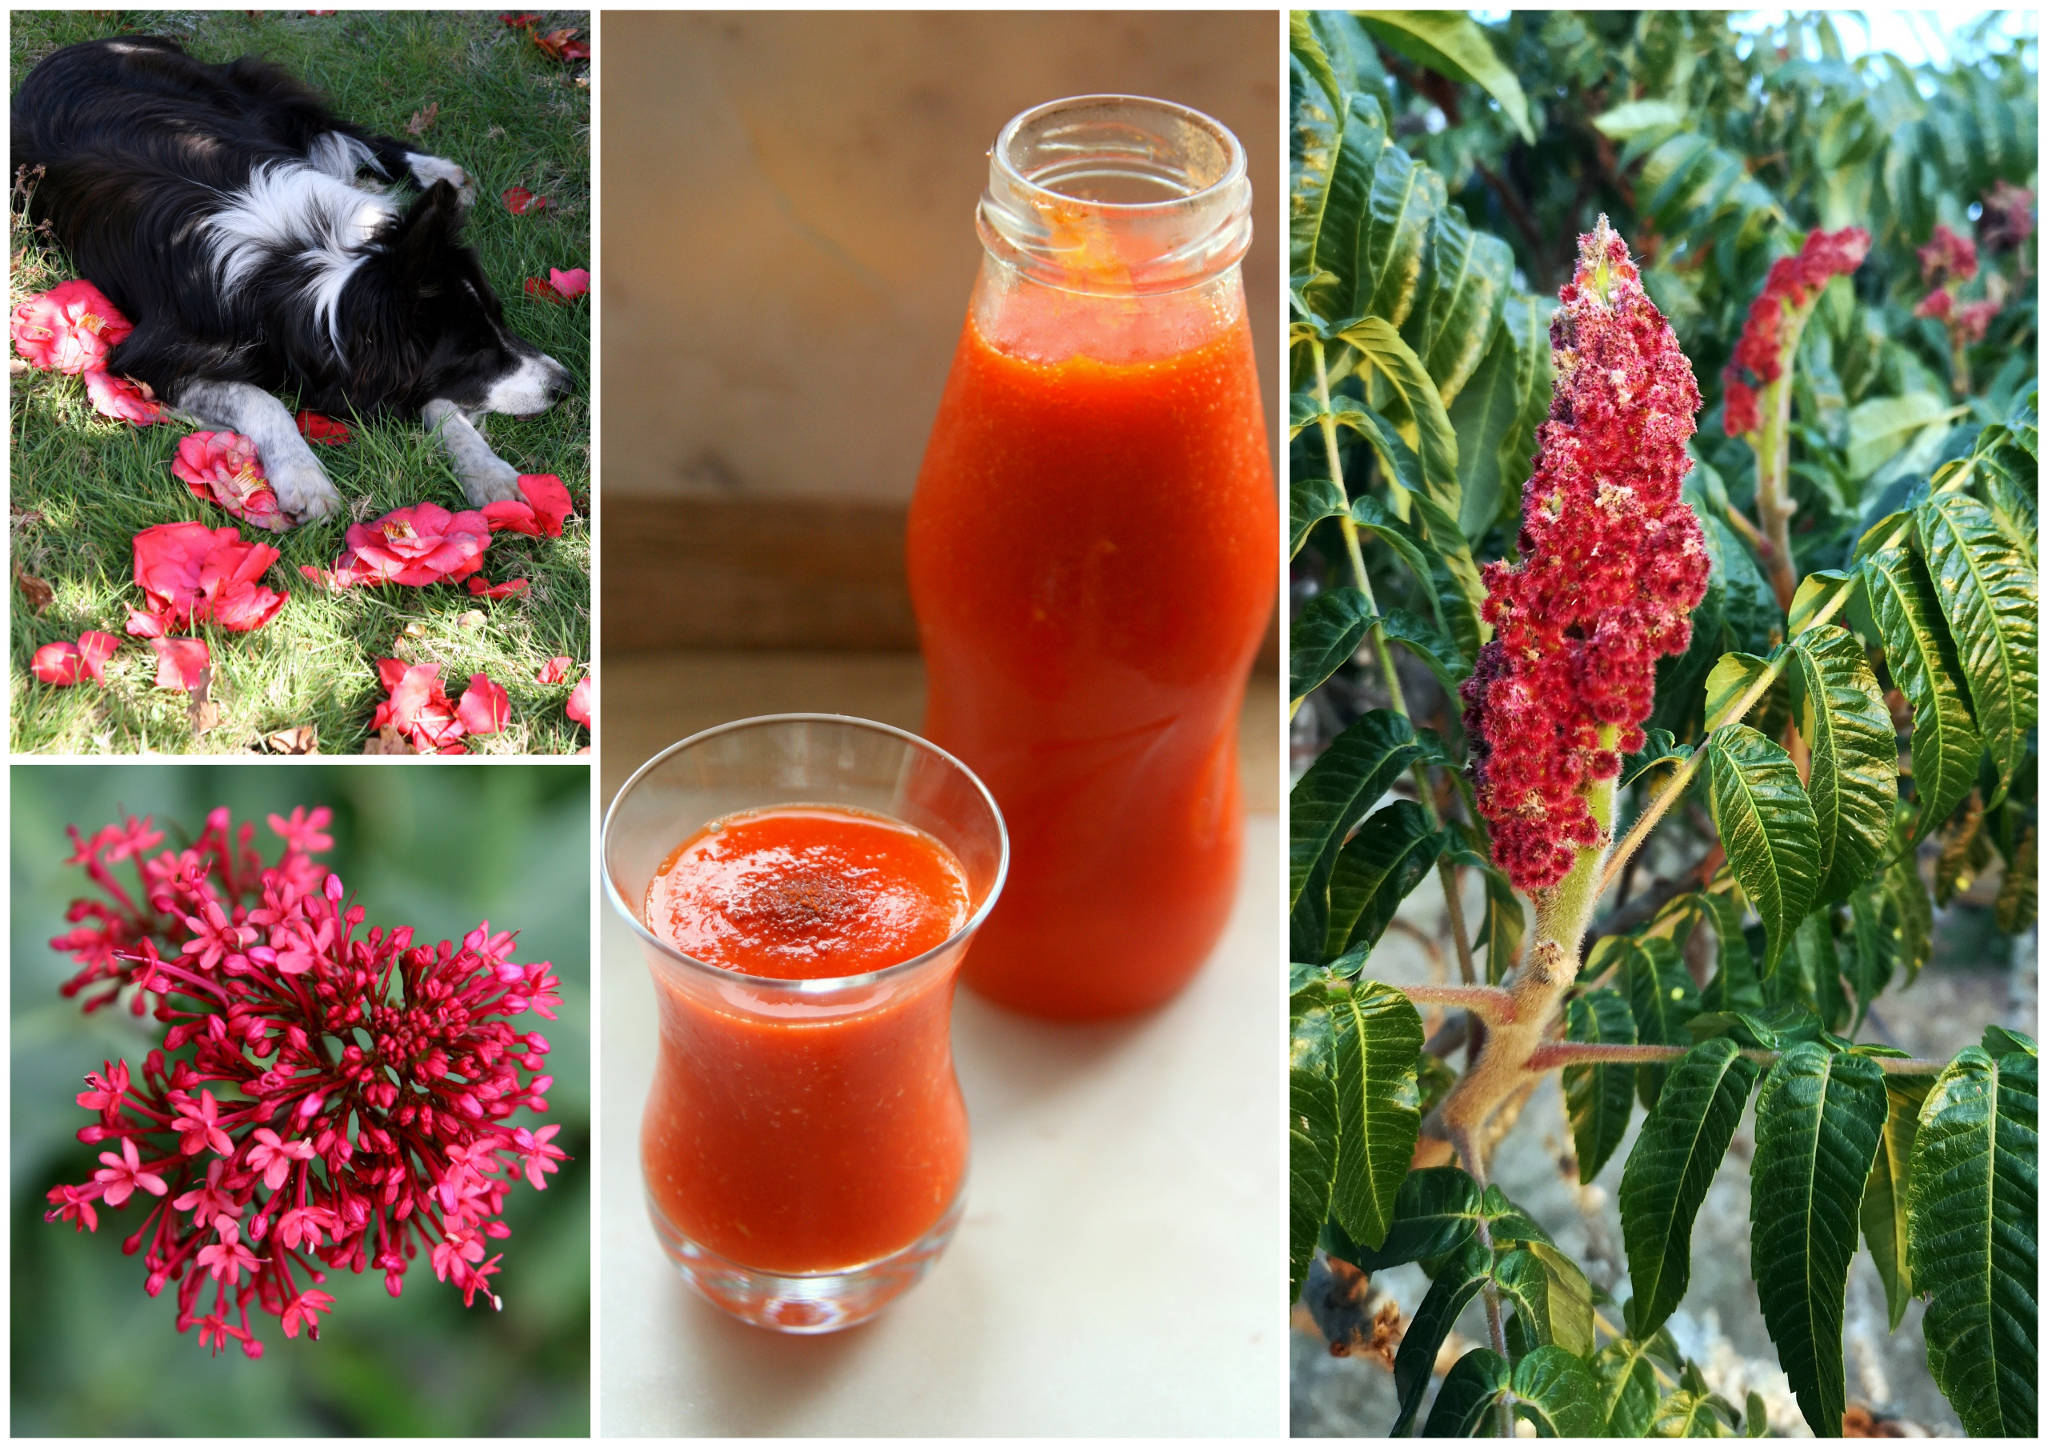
(1119, 1269)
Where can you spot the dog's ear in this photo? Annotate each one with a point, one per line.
(427, 231)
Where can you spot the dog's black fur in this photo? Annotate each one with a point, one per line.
(131, 152)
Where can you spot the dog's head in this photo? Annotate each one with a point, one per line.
(435, 330)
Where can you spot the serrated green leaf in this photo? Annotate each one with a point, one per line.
(1455, 47)
(2017, 906)
(1376, 518)
(1816, 591)
(1437, 1211)
(1853, 775)
(1731, 678)
(1628, 1388)
(1971, 1204)
(1311, 1167)
(1670, 1168)
(1883, 1213)
(1873, 945)
(1334, 151)
(1331, 796)
(1988, 593)
(1472, 1390)
(1767, 826)
(1882, 427)
(1378, 1036)
(1456, 1284)
(1556, 1392)
(1945, 744)
(1464, 284)
(1326, 632)
(1375, 871)
(1598, 1098)
(1395, 366)
(1734, 986)
(1309, 501)
(1689, 1414)
(1661, 998)
(1818, 1119)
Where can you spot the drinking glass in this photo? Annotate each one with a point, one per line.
(804, 1145)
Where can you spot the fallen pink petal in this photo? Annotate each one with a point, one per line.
(578, 707)
(123, 399)
(518, 200)
(418, 707)
(415, 546)
(509, 588)
(320, 428)
(538, 512)
(484, 708)
(555, 669)
(181, 663)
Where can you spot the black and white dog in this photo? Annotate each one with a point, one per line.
(219, 207)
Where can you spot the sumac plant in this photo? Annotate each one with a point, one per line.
(1690, 671)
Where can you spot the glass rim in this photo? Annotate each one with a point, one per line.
(1235, 169)
(817, 985)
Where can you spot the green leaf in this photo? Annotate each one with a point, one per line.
(1472, 1390)
(1334, 152)
(1945, 743)
(1437, 1211)
(1853, 777)
(1331, 796)
(1873, 945)
(1464, 285)
(1311, 1167)
(1455, 47)
(1631, 119)
(1421, 411)
(1970, 1221)
(1306, 48)
(1912, 913)
(1881, 427)
(1555, 1391)
(1689, 1414)
(1628, 1388)
(1661, 998)
(1991, 598)
(1734, 986)
(1456, 1284)
(1309, 501)
(1768, 828)
(1816, 591)
(1729, 680)
(1496, 412)
(1378, 1036)
(1598, 1098)
(1327, 631)
(1818, 1119)
(1670, 1168)
(1375, 871)
(1883, 1213)
(1374, 517)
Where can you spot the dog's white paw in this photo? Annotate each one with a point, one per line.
(494, 482)
(303, 491)
(428, 169)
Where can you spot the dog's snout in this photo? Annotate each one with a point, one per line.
(560, 382)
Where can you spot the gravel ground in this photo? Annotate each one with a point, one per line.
(1719, 1325)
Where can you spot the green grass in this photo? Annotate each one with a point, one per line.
(83, 486)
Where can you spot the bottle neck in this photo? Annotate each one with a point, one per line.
(1112, 226)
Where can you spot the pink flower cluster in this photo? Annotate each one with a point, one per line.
(1612, 563)
(1946, 262)
(324, 1098)
(1794, 282)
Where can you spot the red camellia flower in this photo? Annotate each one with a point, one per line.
(538, 511)
(415, 546)
(320, 428)
(518, 200)
(555, 669)
(1795, 282)
(322, 1098)
(1947, 257)
(65, 663)
(70, 328)
(484, 708)
(123, 399)
(418, 707)
(578, 707)
(189, 573)
(560, 286)
(1611, 564)
(222, 467)
(181, 663)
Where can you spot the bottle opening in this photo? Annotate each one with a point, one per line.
(1117, 194)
